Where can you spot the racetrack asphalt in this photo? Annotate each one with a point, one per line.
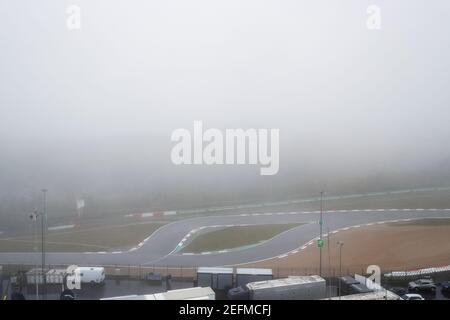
(160, 248)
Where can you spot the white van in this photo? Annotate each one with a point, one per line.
(93, 275)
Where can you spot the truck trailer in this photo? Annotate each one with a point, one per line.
(92, 275)
(247, 275)
(292, 288)
(196, 293)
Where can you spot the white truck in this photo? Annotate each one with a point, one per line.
(292, 288)
(196, 293)
(92, 275)
(375, 295)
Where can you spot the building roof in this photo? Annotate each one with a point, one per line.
(196, 293)
(291, 281)
(376, 295)
(254, 271)
(214, 270)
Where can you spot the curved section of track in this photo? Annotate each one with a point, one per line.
(159, 249)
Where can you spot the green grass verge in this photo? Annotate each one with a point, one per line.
(95, 239)
(234, 237)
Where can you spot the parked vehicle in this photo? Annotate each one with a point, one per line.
(422, 285)
(399, 291)
(92, 275)
(412, 296)
(292, 288)
(374, 295)
(445, 287)
(196, 293)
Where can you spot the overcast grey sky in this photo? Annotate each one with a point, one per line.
(97, 106)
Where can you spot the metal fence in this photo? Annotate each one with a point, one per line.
(139, 272)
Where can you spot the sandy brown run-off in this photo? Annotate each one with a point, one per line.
(392, 246)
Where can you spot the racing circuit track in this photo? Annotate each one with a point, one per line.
(160, 249)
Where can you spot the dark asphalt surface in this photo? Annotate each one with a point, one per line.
(160, 247)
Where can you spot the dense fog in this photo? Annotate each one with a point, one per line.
(89, 113)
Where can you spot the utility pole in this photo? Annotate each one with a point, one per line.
(340, 243)
(320, 242)
(34, 218)
(44, 225)
(329, 261)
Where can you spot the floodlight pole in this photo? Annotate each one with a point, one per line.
(320, 237)
(34, 220)
(44, 225)
(340, 243)
(35, 241)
